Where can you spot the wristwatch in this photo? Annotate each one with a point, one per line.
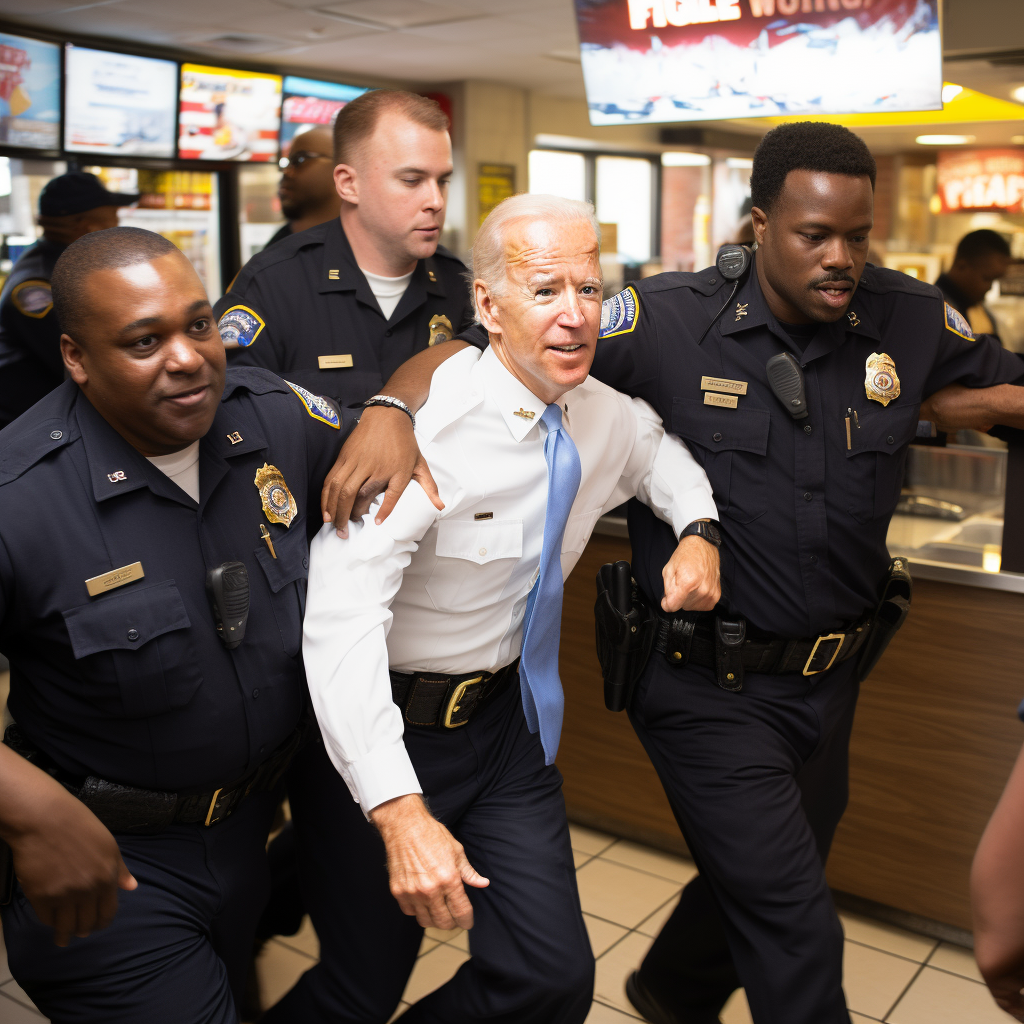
(706, 528)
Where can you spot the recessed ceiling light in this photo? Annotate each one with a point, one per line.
(944, 140)
(1018, 94)
(684, 160)
(950, 92)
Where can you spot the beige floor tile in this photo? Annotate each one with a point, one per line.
(957, 960)
(5, 972)
(621, 894)
(887, 937)
(859, 1018)
(586, 840)
(460, 941)
(873, 980)
(653, 924)
(643, 858)
(278, 968)
(14, 991)
(615, 966)
(432, 971)
(736, 1010)
(579, 859)
(603, 934)
(402, 1007)
(442, 935)
(601, 1014)
(426, 945)
(940, 998)
(15, 1013)
(304, 940)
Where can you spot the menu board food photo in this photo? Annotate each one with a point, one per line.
(309, 103)
(226, 114)
(29, 92)
(119, 103)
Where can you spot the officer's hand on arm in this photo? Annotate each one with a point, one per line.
(381, 454)
(958, 408)
(66, 861)
(691, 577)
(426, 864)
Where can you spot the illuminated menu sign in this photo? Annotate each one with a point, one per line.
(29, 93)
(692, 60)
(309, 103)
(981, 179)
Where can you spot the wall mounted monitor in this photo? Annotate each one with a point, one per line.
(695, 60)
(29, 93)
(228, 115)
(118, 103)
(309, 103)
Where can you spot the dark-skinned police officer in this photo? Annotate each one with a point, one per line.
(747, 715)
(152, 579)
(70, 206)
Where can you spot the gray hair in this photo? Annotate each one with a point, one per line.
(488, 259)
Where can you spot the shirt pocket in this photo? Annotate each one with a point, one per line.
(732, 446)
(290, 566)
(141, 639)
(876, 459)
(474, 562)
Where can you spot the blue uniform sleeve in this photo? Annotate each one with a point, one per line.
(627, 356)
(28, 322)
(245, 326)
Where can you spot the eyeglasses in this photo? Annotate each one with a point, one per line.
(304, 156)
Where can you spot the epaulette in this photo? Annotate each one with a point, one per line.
(706, 281)
(255, 379)
(882, 280)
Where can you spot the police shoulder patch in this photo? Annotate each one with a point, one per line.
(32, 298)
(958, 324)
(619, 314)
(317, 407)
(240, 326)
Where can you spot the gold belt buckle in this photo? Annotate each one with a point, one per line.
(808, 671)
(453, 704)
(210, 819)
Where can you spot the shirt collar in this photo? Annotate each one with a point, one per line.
(520, 408)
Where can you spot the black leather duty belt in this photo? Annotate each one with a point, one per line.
(128, 810)
(436, 701)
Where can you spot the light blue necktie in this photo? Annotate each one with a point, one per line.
(542, 625)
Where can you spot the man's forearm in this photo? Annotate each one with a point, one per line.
(411, 381)
(956, 407)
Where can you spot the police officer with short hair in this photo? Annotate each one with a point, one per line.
(152, 581)
(70, 206)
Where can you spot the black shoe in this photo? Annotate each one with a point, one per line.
(647, 1006)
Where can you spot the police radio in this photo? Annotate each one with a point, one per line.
(733, 262)
(227, 587)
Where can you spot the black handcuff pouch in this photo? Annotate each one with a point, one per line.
(625, 626)
(891, 613)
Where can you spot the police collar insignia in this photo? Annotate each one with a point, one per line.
(741, 309)
(239, 327)
(957, 324)
(317, 407)
(880, 381)
(440, 330)
(526, 414)
(619, 314)
(853, 318)
(278, 502)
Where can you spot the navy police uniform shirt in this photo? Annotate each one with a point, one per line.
(804, 507)
(30, 361)
(133, 685)
(304, 309)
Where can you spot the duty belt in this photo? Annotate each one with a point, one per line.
(437, 701)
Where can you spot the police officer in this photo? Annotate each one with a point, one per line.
(339, 307)
(982, 258)
(152, 576)
(747, 715)
(70, 206)
(306, 191)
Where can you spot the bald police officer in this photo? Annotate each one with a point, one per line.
(70, 206)
(151, 590)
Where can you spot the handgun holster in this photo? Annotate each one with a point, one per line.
(891, 613)
(730, 635)
(624, 640)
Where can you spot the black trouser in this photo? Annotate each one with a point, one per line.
(758, 781)
(179, 946)
(531, 960)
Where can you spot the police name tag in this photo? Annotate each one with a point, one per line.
(722, 401)
(730, 387)
(334, 362)
(114, 579)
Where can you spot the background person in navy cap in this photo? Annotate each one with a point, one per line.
(70, 206)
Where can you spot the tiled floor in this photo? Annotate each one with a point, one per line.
(627, 891)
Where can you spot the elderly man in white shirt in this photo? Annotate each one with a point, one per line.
(414, 628)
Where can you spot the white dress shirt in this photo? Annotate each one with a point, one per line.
(445, 592)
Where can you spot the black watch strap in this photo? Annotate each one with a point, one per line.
(706, 528)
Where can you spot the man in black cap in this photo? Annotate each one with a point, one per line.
(70, 206)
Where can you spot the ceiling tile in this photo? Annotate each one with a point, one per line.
(398, 13)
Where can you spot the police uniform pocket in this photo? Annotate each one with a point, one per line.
(139, 638)
(732, 445)
(290, 566)
(876, 460)
(474, 561)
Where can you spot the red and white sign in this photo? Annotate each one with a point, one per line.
(981, 179)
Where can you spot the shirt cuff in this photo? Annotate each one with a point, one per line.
(703, 508)
(382, 775)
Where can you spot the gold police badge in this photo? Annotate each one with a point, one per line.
(880, 381)
(440, 330)
(278, 503)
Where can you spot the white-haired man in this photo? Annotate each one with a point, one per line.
(417, 624)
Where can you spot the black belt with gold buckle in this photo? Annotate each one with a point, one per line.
(433, 701)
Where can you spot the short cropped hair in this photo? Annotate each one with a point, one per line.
(489, 261)
(976, 245)
(806, 146)
(357, 120)
(99, 250)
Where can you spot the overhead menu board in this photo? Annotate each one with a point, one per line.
(119, 103)
(29, 92)
(693, 60)
(228, 115)
(308, 103)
